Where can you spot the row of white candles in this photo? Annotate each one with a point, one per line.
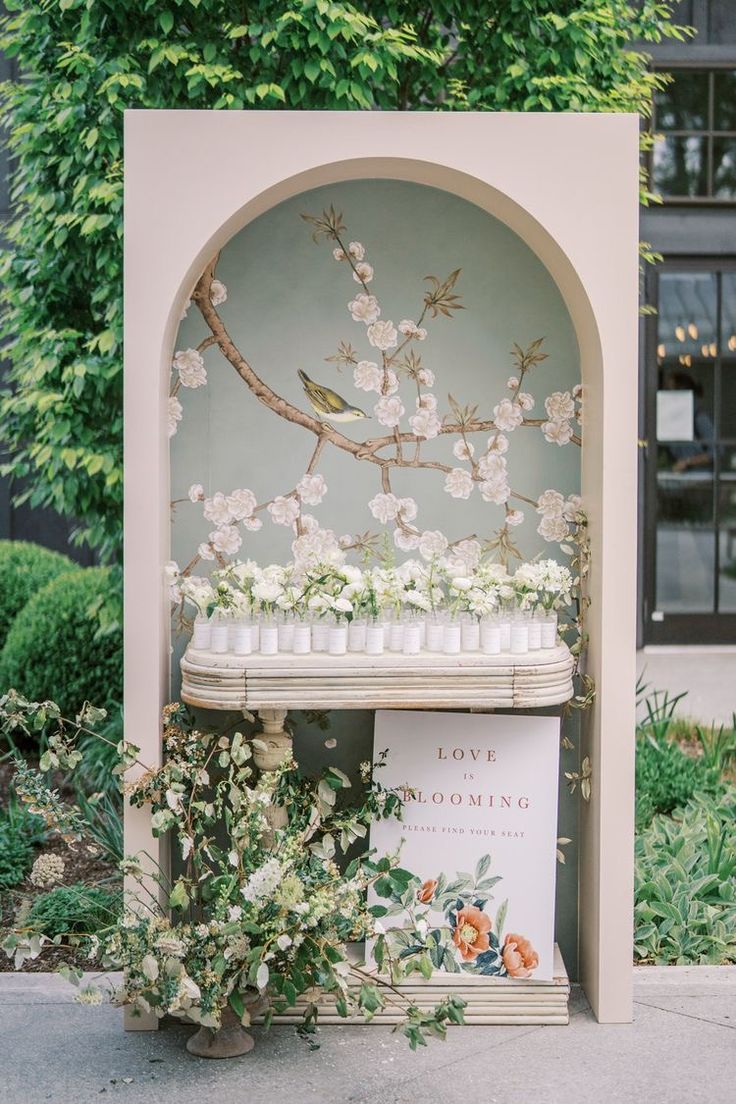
(517, 632)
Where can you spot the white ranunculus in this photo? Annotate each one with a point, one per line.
(363, 273)
(312, 489)
(218, 293)
(425, 423)
(367, 376)
(388, 410)
(356, 250)
(217, 509)
(425, 376)
(507, 415)
(408, 509)
(174, 414)
(432, 544)
(495, 490)
(512, 383)
(459, 483)
(383, 335)
(560, 406)
(241, 504)
(550, 504)
(514, 517)
(406, 540)
(190, 366)
(553, 528)
(205, 552)
(525, 400)
(364, 308)
(267, 591)
(463, 450)
(411, 329)
(384, 507)
(284, 511)
(226, 540)
(557, 433)
(196, 492)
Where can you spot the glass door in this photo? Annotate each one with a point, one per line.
(690, 510)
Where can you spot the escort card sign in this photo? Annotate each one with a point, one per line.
(476, 891)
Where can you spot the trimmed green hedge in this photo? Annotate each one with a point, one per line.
(55, 649)
(25, 569)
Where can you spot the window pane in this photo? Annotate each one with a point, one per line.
(724, 99)
(683, 104)
(722, 22)
(680, 166)
(685, 542)
(724, 168)
(686, 320)
(727, 531)
(728, 352)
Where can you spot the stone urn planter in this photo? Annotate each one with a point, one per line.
(230, 1039)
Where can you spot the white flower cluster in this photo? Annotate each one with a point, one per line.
(561, 409)
(263, 882)
(48, 870)
(557, 514)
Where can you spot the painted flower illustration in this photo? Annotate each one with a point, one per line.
(519, 957)
(459, 483)
(507, 415)
(367, 376)
(217, 509)
(427, 891)
(383, 335)
(384, 507)
(174, 414)
(190, 366)
(471, 934)
(389, 410)
(364, 308)
(218, 293)
(241, 504)
(560, 406)
(284, 510)
(425, 422)
(312, 489)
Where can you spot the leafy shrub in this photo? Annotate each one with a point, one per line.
(74, 908)
(666, 778)
(57, 650)
(25, 569)
(685, 885)
(20, 833)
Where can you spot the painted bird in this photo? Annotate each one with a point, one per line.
(327, 404)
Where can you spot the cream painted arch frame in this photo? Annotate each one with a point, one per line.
(567, 184)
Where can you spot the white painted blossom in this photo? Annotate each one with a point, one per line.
(218, 293)
(364, 308)
(174, 414)
(196, 492)
(425, 376)
(226, 540)
(550, 504)
(507, 415)
(171, 580)
(497, 442)
(572, 509)
(384, 507)
(553, 528)
(408, 509)
(492, 466)
(577, 392)
(241, 504)
(406, 539)
(185, 310)
(190, 366)
(512, 383)
(383, 335)
(338, 253)
(205, 551)
(389, 410)
(514, 517)
(463, 450)
(459, 483)
(557, 433)
(425, 423)
(432, 544)
(427, 401)
(367, 376)
(253, 524)
(284, 510)
(466, 553)
(312, 489)
(560, 406)
(525, 400)
(217, 509)
(363, 272)
(495, 490)
(356, 250)
(318, 546)
(410, 329)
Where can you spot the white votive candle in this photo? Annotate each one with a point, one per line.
(220, 637)
(549, 630)
(241, 638)
(337, 639)
(412, 638)
(434, 635)
(452, 638)
(202, 634)
(269, 638)
(374, 638)
(356, 636)
(490, 636)
(470, 635)
(302, 643)
(320, 636)
(519, 636)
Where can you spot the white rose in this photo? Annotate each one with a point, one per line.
(226, 540)
(204, 551)
(356, 250)
(190, 366)
(218, 293)
(507, 415)
(406, 540)
(364, 308)
(560, 406)
(363, 273)
(217, 509)
(432, 544)
(550, 504)
(241, 504)
(514, 517)
(557, 433)
(367, 376)
(388, 410)
(384, 507)
(383, 335)
(174, 414)
(553, 528)
(284, 511)
(463, 450)
(312, 489)
(196, 492)
(495, 490)
(459, 483)
(425, 423)
(525, 400)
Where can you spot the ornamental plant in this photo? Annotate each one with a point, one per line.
(83, 62)
(269, 909)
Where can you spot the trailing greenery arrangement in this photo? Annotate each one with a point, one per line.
(85, 61)
(264, 913)
(56, 648)
(25, 569)
(685, 895)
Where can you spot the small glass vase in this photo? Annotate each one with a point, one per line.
(220, 633)
(470, 634)
(320, 635)
(374, 638)
(435, 632)
(520, 634)
(490, 636)
(337, 638)
(396, 635)
(202, 633)
(504, 627)
(269, 638)
(302, 643)
(286, 633)
(412, 641)
(357, 635)
(452, 637)
(241, 637)
(535, 632)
